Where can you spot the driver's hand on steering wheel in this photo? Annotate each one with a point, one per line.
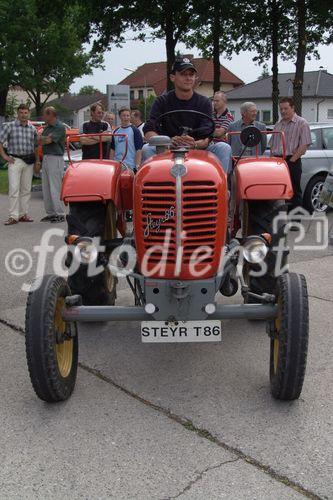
(183, 140)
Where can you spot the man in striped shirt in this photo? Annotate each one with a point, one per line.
(221, 116)
(298, 139)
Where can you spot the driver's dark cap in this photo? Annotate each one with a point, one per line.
(181, 64)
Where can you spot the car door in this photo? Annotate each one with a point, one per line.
(328, 145)
(315, 161)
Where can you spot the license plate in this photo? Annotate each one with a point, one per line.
(181, 331)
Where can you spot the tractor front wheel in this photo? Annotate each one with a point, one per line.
(289, 342)
(51, 343)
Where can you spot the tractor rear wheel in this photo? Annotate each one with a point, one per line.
(289, 343)
(51, 343)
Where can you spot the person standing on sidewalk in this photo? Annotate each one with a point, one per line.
(20, 138)
(298, 139)
(53, 142)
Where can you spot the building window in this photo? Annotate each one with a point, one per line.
(266, 116)
(131, 95)
(330, 114)
(150, 92)
(141, 94)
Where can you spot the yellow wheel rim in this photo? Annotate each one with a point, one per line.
(63, 350)
(276, 346)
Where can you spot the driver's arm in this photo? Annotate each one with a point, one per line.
(201, 143)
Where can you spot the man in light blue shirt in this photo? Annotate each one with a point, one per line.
(134, 141)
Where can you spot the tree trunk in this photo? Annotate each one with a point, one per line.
(216, 48)
(38, 104)
(170, 43)
(275, 64)
(3, 100)
(301, 53)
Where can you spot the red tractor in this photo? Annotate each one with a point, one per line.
(196, 234)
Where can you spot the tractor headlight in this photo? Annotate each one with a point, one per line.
(85, 250)
(255, 249)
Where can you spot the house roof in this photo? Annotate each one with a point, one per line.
(315, 84)
(77, 102)
(154, 75)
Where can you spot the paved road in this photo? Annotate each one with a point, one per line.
(166, 421)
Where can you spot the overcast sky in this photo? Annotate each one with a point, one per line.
(133, 54)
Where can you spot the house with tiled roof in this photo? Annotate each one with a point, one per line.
(150, 79)
(317, 103)
(75, 109)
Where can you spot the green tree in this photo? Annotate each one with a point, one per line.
(167, 19)
(213, 28)
(264, 73)
(11, 106)
(42, 47)
(314, 26)
(145, 107)
(88, 90)
(265, 26)
(12, 38)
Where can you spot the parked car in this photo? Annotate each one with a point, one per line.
(317, 162)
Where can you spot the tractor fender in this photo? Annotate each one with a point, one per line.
(263, 179)
(92, 180)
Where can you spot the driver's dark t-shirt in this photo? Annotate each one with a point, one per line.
(170, 125)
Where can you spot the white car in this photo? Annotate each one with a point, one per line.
(316, 164)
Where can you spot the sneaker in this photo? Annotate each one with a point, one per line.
(48, 218)
(58, 218)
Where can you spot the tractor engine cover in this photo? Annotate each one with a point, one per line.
(180, 215)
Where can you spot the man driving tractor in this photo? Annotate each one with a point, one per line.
(179, 128)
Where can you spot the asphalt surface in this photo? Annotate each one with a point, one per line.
(170, 420)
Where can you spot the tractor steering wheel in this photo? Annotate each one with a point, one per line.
(199, 132)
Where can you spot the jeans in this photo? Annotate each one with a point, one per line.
(223, 152)
(220, 149)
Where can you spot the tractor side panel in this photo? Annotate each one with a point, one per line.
(126, 189)
(263, 179)
(92, 180)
